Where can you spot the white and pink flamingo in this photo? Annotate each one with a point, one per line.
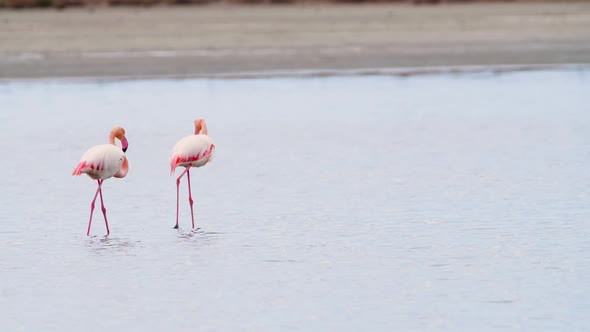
(191, 151)
(102, 162)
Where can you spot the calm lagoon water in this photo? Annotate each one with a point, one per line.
(434, 203)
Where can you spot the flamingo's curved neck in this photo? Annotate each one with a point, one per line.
(112, 138)
(124, 169)
(200, 127)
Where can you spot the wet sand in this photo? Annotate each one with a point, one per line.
(222, 40)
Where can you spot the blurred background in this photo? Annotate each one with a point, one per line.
(223, 38)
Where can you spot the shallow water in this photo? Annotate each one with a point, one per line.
(342, 204)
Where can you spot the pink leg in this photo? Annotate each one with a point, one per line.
(190, 196)
(92, 208)
(104, 210)
(178, 193)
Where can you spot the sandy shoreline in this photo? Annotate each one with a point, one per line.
(229, 41)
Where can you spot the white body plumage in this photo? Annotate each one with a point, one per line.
(194, 150)
(101, 161)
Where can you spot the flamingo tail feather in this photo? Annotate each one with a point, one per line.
(78, 170)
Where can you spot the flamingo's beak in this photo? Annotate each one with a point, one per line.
(124, 144)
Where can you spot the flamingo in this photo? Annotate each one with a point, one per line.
(102, 162)
(191, 151)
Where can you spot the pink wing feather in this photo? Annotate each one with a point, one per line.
(84, 167)
(179, 159)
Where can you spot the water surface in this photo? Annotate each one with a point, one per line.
(336, 204)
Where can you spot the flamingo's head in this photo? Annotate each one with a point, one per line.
(200, 126)
(119, 133)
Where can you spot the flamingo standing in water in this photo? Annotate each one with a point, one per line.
(191, 151)
(102, 162)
